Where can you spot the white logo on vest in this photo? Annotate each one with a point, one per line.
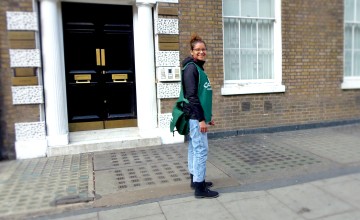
(207, 86)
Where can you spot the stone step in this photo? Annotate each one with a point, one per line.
(103, 140)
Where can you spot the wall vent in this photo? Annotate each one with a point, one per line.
(245, 106)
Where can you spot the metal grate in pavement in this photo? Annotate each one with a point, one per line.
(252, 154)
(35, 183)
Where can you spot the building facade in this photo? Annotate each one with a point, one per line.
(91, 67)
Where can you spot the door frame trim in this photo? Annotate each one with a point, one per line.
(54, 66)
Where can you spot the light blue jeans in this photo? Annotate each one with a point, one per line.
(197, 151)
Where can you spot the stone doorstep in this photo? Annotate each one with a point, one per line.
(102, 145)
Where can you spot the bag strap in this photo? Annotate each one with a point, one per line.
(181, 96)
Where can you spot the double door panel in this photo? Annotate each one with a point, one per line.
(99, 58)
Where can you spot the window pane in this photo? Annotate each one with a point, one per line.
(231, 33)
(231, 8)
(349, 10)
(265, 64)
(348, 36)
(265, 34)
(357, 63)
(231, 64)
(266, 8)
(249, 8)
(248, 64)
(347, 65)
(248, 37)
(357, 50)
(357, 37)
(358, 10)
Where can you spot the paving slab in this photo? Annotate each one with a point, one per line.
(236, 196)
(260, 208)
(87, 216)
(38, 185)
(343, 189)
(309, 201)
(356, 176)
(147, 210)
(209, 209)
(355, 215)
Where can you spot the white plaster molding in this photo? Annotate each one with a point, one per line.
(169, 1)
(53, 73)
(30, 131)
(168, 90)
(239, 89)
(168, 58)
(58, 139)
(150, 2)
(166, 136)
(145, 67)
(30, 149)
(25, 58)
(27, 95)
(164, 120)
(21, 21)
(167, 26)
(351, 83)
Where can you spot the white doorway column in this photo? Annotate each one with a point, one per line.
(145, 65)
(54, 73)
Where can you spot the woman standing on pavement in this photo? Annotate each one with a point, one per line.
(198, 91)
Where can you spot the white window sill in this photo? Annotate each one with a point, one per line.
(351, 83)
(239, 89)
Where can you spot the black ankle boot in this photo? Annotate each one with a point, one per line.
(201, 191)
(192, 185)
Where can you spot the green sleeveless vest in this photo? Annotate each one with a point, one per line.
(204, 93)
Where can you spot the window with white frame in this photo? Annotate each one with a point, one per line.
(351, 44)
(252, 46)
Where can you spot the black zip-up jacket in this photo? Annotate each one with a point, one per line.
(190, 81)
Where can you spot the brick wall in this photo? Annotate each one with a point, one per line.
(312, 34)
(11, 114)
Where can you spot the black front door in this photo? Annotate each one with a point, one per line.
(99, 65)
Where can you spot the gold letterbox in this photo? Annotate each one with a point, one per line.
(83, 78)
(119, 77)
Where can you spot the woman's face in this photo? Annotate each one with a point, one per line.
(199, 51)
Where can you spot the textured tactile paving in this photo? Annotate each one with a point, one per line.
(140, 177)
(141, 156)
(253, 154)
(338, 144)
(133, 169)
(35, 184)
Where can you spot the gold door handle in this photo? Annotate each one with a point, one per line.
(98, 57)
(102, 57)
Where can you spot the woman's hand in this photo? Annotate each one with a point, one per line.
(203, 127)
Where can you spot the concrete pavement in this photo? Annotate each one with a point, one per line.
(304, 174)
(335, 198)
